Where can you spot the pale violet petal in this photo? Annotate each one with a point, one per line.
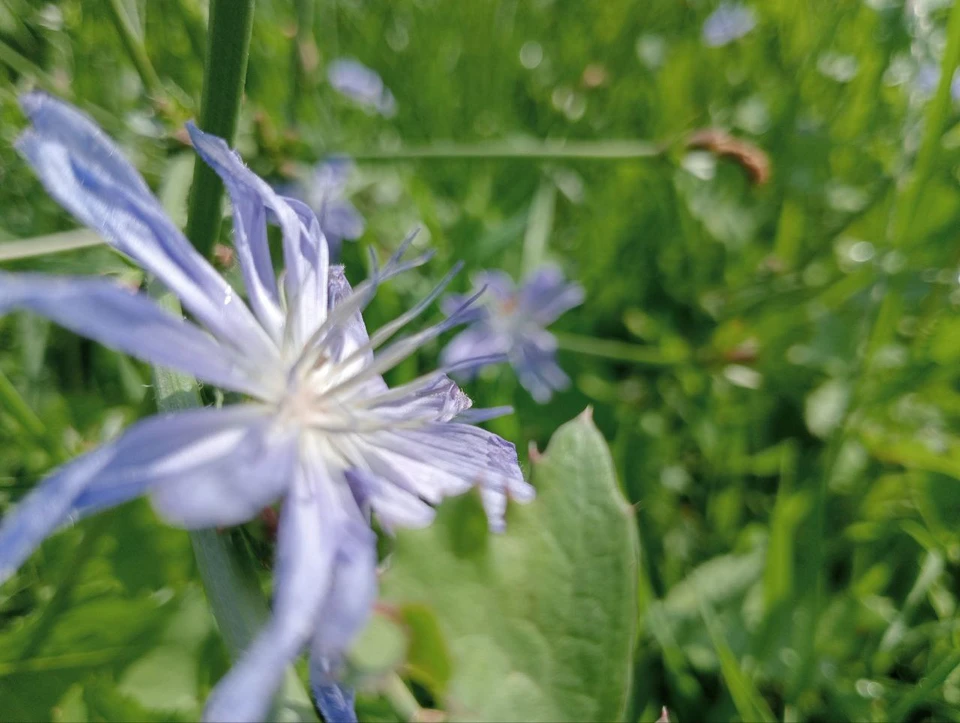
(306, 551)
(130, 322)
(353, 592)
(253, 472)
(62, 122)
(476, 342)
(82, 174)
(304, 249)
(546, 295)
(394, 506)
(114, 473)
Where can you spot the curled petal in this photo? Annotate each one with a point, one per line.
(304, 248)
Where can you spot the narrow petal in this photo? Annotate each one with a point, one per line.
(344, 613)
(393, 505)
(114, 473)
(336, 702)
(304, 248)
(253, 253)
(306, 551)
(87, 175)
(533, 358)
(132, 323)
(446, 459)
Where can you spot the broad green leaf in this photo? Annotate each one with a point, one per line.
(539, 621)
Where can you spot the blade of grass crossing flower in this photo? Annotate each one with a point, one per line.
(53, 243)
(228, 45)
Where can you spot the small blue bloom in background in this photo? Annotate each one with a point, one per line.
(512, 321)
(727, 23)
(324, 191)
(322, 433)
(927, 79)
(362, 85)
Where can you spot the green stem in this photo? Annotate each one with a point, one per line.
(618, 350)
(401, 699)
(624, 150)
(133, 44)
(228, 45)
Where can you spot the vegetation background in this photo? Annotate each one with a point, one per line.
(769, 341)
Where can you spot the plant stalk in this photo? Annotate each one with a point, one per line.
(225, 68)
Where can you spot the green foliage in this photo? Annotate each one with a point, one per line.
(775, 372)
(540, 622)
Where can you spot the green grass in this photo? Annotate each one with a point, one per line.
(779, 376)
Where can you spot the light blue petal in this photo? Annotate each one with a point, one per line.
(341, 219)
(305, 250)
(337, 703)
(129, 322)
(479, 343)
(362, 85)
(253, 253)
(445, 459)
(546, 295)
(155, 448)
(306, 550)
(352, 595)
(394, 506)
(533, 358)
(68, 126)
(253, 471)
(88, 176)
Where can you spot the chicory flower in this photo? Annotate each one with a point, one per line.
(362, 85)
(322, 433)
(727, 23)
(324, 193)
(513, 322)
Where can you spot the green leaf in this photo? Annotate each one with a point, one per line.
(539, 621)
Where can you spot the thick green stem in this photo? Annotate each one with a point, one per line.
(133, 44)
(228, 45)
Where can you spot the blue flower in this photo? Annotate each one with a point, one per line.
(322, 433)
(362, 85)
(323, 192)
(512, 322)
(727, 23)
